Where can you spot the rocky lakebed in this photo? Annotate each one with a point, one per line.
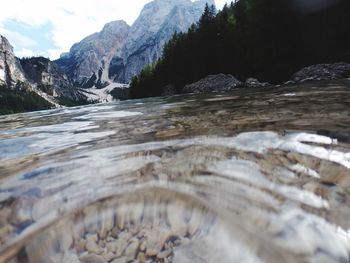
(258, 174)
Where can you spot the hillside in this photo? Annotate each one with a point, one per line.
(119, 51)
(265, 39)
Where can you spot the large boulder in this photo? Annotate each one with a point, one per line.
(322, 72)
(213, 83)
(169, 90)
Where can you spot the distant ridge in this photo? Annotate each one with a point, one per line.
(119, 51)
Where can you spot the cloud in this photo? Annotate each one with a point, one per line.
(54, 53)
(220, 3)
(71, 21)
(25, 53)
(18, 39)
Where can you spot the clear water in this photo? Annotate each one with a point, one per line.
(247, 176)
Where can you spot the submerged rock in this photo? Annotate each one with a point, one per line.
(71, 258)
(322, 72)
(248, 176)
(92, 258)
(213, 83)
(254, 83)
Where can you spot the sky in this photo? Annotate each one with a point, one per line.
(50, 27)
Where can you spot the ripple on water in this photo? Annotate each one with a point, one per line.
(215, 198)
(107, 115)
(153, 223)
(95, 184)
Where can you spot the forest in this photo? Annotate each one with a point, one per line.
(264, 39)
(16, 100)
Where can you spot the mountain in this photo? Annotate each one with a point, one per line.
(268, 40)
(93, 70)
(16, 93)
(158, 21)
(11, 73)
(87, 63)
(48, 78)
(119, 52)
(33, 83)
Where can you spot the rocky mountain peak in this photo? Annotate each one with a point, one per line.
(10, 69)
(119, 51)
(153, 15)
(157, 22)
(114, 29)
(5, 45)
(114, 26)
(87, 63)
(36, 75)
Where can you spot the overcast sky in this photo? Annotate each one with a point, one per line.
(50, 27)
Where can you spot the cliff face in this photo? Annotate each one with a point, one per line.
(11, 73)
(48, 78)
(90, 70)
(16, 92)
(37, 76)
(158, 21)
(88, 61)
(119, 52)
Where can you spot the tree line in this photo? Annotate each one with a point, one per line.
(265, 39)
(20, 100)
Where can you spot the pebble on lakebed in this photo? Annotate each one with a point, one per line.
(118, 231)
(129, 245)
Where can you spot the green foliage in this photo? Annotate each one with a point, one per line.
(71, 103)
(120, 93)
(208, 16)
(266, 39)
(148, 78)
(14, 101)
(231, 20)
(346, 74)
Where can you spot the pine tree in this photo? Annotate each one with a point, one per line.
(266, 39)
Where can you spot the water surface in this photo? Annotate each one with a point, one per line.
(254, 175)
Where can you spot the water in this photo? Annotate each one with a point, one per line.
(247, 176)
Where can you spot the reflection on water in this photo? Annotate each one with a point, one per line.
(249, 176)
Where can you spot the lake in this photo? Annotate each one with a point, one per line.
(253, 175)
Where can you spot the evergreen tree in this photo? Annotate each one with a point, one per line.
(267, 39)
